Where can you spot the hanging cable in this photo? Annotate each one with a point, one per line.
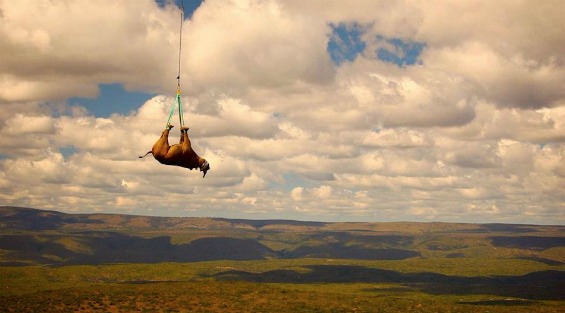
(178, 103)
(181, 117)
(180, 41)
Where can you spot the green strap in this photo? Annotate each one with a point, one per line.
(181, 115)
(170, 116)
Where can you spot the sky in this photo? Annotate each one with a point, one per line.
(320, 110)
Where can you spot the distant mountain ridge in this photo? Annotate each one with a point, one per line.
(34, 219)
(30, 236)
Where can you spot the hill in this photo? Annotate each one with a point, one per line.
(30, 236)
(56, 262)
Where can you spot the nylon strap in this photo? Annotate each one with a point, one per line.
(181, 115)
(170, 116)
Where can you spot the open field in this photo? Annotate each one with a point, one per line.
(300, 285)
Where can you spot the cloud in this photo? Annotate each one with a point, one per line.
(265, 53)
(471, 131)
(413, 97)
(510, 64)
(507, 81)
(518, 24)
(25, 132)
(235, 118)
(538, 126)
(54, 49)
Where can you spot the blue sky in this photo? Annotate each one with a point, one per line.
(345, 43)
(113, 98)
(189, 5)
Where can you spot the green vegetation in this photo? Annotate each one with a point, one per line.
(247, 297)
(208, 287)
(55, 262)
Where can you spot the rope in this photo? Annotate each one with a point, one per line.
(180, 39)
(178, 101)
(181, 118)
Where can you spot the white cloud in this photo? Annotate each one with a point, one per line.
(57, 49)
(507, 81)
(475, 132)
(251, 43)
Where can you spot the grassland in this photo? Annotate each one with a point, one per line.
(214, 287)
